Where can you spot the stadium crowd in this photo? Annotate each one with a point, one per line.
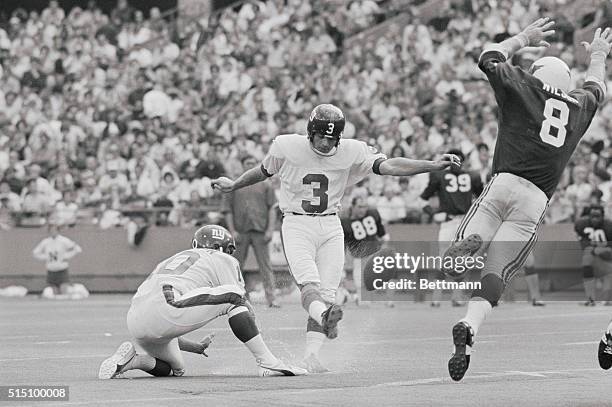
(107, 116)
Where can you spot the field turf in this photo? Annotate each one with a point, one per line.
(524, 356)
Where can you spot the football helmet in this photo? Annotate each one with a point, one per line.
(553, 71)
(328, 121)
(214, 237)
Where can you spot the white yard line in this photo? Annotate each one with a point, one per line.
(415, 382)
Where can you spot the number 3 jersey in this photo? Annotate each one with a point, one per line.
(312, 183)
(539, 125)
(192, 269)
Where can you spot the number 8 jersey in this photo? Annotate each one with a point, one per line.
(312, 183)
(539, 125)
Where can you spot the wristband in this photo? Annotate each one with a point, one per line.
(522, 39)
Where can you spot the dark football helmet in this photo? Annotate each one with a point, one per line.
(326, 120)
(214, 237)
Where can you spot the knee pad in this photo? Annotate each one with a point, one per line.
(491, 289)
(310, 293)
(588, 272)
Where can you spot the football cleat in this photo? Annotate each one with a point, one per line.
(457, 303)
(280, 369)
(331, 317)
(312, 364)
(112, 366)
(538, 303)
(460, 360)
(466, 247)
(435, 304)
(589, 303)
(604, 353)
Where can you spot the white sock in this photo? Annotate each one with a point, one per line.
(476, 313)
(315, 310)
(261, 352)
(314, 342)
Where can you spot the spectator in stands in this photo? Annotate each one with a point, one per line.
(580, 190)
(10, 203)
(193, 212)
(114, 185)
(560, 208)
(211, 167)
(391, 206)
(34, 204)
(66, 209)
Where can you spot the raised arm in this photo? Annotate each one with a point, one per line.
(400, 166)
(598, 50)
(533, 35)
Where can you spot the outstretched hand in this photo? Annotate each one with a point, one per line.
(448, 160)
(536, 33)
(601, 42)
(223, 184)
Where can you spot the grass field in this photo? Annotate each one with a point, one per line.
(383, 357)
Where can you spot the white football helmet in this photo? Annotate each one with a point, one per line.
(553, 71)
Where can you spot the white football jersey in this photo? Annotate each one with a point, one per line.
(56, 251)
(312, 183)
(194, 268)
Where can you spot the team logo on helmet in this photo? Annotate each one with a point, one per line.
(214, 237)
(553, 71)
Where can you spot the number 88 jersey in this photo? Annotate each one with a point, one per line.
(360, 233)
(312, 183)
(539, 125)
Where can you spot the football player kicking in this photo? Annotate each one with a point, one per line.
(184, 293)
(314, 172)
(540, 123)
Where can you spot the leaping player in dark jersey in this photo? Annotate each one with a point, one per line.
(540, 124)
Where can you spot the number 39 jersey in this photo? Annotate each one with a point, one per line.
(539, 125)
(194, 268)
(312, 183)
(455, 189)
